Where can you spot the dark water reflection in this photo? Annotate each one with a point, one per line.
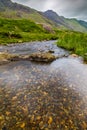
(43, 96)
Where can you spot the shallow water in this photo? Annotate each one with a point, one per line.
(28, 48)
(36, 96)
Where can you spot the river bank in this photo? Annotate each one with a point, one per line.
(74, 42)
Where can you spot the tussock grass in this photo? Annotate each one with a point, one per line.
(75, 42)
(12, 31)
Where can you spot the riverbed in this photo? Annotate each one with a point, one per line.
(43, 96)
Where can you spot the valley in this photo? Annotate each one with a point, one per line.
(43, 70)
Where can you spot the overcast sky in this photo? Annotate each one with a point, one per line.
(67, 8)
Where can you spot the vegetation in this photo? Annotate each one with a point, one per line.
(18, 31)
(75, 42)
(12, 31)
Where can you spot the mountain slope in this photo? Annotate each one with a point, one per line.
(50, 14)
(83, 23)
(8, 9)
(75, 25)
(4, 4)
(11, 10)
(72, 24)
(8, 4)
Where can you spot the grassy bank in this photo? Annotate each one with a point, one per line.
(18, 31)
(75, 42)
(12, 31)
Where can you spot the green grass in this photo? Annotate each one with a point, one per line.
(18, 31)
(74, 24)
(19, 26)
(75, 42)
(12, 31)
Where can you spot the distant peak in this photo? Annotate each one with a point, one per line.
(51, 12)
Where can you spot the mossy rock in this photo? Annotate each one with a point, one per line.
(6, 57)
(42, 57)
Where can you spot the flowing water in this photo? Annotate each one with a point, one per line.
(40, 96)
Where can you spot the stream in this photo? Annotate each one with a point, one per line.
(43, 96)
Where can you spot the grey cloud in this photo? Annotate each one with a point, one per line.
(67, 8)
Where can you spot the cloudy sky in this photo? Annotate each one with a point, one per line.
(67, 8)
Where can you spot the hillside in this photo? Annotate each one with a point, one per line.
(71, 24)
(49, 18)
(50, 14)
(23, 30)
(83, 23)
(11, 10)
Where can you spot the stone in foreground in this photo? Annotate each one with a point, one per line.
(42, 57)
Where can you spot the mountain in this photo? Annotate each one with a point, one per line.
(4, 4)
(72, 24)
(8, 4)
(83, 23)
(50, 14)
(11, 10)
